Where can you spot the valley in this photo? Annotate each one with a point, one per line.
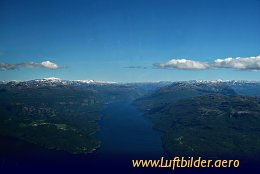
(200, 118)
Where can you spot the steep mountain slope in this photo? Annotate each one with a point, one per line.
(205, 119)
(211, 125)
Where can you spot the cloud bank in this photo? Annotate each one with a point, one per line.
(248, 63)
(183, 64)
(239, 63)
(45, 64)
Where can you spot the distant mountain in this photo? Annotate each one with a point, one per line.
(52, 81)
(246, 88)
(242, 87)
(182, 90)
(57, 82)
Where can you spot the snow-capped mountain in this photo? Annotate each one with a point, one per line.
(52, 82)
(241, 87)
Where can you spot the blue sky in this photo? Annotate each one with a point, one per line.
(126, 40)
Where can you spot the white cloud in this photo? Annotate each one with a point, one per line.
(247, 63)
(184, 64)
(49, 65)
(45, 64)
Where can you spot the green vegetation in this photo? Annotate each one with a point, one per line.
(63, 119)
(211, 124)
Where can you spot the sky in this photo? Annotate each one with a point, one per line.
(130, 40)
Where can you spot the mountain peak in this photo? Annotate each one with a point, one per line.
(52, 79)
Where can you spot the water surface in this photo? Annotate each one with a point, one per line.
(126, 132)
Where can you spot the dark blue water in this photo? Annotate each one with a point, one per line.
(126, 132)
